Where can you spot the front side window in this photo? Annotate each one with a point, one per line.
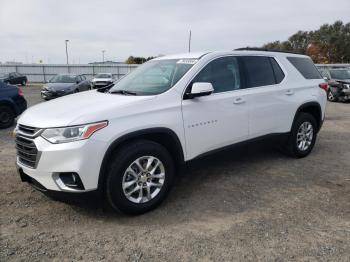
(259, 71)
(223, 73)
(154, 77)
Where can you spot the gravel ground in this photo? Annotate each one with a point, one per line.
(251, 203)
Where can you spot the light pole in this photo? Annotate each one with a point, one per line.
(66, 41)
(103, 56)
(189, 42)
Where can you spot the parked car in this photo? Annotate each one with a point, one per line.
(12, 104)
(102, 80)
(14, 78)
(64, 84)
(339, 84)
(129, 141)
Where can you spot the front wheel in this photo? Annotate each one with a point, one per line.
(139, 178)
(330, 96)
(302, 137)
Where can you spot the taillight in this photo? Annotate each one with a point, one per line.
(20, 92)
(324, 86)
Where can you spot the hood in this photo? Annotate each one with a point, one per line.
(80, 108)
(101, 79)
(58, 86)
(343, 81)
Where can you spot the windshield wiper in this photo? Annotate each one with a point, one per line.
(123, 92)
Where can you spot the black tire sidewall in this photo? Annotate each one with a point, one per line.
(292, 143)
(121, 161)
(11, 115)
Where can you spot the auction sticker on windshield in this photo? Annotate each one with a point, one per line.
(187, 61)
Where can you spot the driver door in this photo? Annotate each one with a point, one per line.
(219, 119)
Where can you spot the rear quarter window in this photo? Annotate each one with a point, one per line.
(306, 67)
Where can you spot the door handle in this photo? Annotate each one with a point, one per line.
(289, 92)
(238, 100)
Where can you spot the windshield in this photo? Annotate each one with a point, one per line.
(63, 79)
(154, 77)
(340, 74)
(103, 76)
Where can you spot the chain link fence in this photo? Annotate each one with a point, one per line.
(40, 73)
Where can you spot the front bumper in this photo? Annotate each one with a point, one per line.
(81, 157)
(48, 94)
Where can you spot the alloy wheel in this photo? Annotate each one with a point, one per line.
(304, 136)
(143, 179)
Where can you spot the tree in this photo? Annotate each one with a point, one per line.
(328, 44)
(138, 60)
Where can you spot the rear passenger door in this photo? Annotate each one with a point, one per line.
(270, 105)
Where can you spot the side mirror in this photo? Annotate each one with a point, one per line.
(200, 89)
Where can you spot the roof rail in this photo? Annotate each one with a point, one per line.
(266, 50)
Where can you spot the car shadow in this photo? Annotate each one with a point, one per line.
(222, 182)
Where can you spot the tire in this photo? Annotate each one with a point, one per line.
(23, 83)
(331, 97)
(76, 90)
(7, 116)
(294, 147)
(117, 176)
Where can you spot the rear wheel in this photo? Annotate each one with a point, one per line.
(303, 136)
(139, 178)
(7, 116)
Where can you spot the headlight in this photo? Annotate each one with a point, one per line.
(72, 133)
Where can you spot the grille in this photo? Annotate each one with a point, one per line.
(26, 151)
(27, 130)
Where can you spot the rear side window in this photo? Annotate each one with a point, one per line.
(259, 71)
(306, 67)
(279, 75)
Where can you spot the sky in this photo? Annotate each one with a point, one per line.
(34, 30)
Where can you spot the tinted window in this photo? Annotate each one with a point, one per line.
(222, 73)
(259, 71)
(279, 75)
(305, 66)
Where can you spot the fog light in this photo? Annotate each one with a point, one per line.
(71, 180)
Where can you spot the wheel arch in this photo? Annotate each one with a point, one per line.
(164, 136)
(313, 108)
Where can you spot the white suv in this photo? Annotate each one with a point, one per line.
(128, 142)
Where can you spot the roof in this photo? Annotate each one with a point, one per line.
(194, 55)
(197, 55)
